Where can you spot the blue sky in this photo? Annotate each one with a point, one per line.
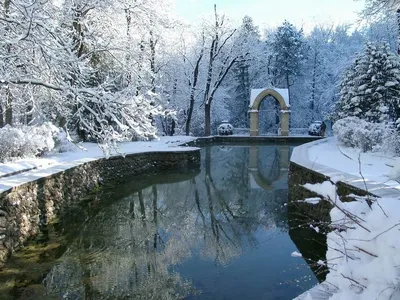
(270, 13)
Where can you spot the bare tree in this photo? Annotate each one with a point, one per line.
(219, 63)
(377, 7)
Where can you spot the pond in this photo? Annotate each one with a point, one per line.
(218, 233)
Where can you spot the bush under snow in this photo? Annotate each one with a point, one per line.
(358, 133)
(29, 141)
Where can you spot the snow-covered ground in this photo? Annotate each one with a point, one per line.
(335, 161)
(26, 170)
(363, 254)
(363, 247)
(374, 166)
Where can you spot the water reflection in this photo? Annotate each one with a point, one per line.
(220, 234)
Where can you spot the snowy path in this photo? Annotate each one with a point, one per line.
(18, 172)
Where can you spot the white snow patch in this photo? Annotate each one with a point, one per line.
(316, 228)
(321, 263)
(33, 169)
(325, 189)
(313, 200)
(296, 254)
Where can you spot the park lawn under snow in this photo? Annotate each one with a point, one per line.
(29, 169)
(376, 166)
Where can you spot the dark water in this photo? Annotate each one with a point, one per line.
(218, 233)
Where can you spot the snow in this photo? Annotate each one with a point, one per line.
(312, 200)
(325, 189)
(283, 92)
(296, 254)
(394, 174)
(33, 169)
(326, 156)
(316, 228)
(364, 260)
(363, 253)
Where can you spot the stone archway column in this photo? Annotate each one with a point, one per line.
(284, 123)
(254, 123)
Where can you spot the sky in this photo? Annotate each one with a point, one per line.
(272, 13)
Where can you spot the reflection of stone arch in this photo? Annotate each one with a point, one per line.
(256, 178)
(257, 96)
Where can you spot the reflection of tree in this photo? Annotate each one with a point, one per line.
(131, 248)
(129, 258)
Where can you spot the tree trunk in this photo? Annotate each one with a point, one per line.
(207, 113)
(140, 67)
(128, 18)
(9, 112)
(29, 117)
(8, 106)
(194, 85)
(288, 86)
(152, 61)
(207, 102)
(190, 113)
(398, 30)
(1, 117)
(312, 102)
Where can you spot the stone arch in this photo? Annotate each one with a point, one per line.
(257, 96)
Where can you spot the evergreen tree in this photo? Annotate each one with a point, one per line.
(370, 88)
(289, 52)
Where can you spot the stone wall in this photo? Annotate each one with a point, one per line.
(251, 140)
(25, 208)
(311, 244)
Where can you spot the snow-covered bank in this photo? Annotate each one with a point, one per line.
(329, 158)
(374, 166)
(32, 169)
(363, 254)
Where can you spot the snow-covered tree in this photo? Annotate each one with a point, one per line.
(378, 8)
(370, 88)
(221, 59)
(250, 48)
(68, 62)
(289, 52)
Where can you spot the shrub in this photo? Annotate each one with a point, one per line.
(30, 141)
(358, 133)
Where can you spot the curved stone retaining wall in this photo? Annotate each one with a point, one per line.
(24, 208)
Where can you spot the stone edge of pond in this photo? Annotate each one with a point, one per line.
(300, 157)
(24, 208)
(248, 140)
(302, 171)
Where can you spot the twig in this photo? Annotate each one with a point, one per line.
(340, 150)
(365, 251)
(353, 280)
(395, 225)
(348, 214)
